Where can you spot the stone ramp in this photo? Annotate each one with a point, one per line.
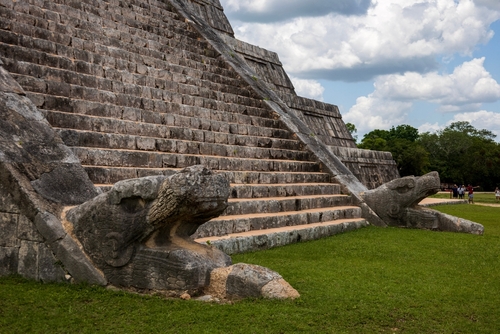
(135, 91)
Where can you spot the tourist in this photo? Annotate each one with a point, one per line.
(454, 189)
(497, 194)
(470, 189)
(461, 192)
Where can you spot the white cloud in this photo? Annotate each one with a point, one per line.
(279, 10)
(481, 120)
(392, 37)
(492, 4)
(308, 88)
(371, 112)
(465, 89)
(428, 127)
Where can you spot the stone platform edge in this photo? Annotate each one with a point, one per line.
(429, 201)
(277, 237)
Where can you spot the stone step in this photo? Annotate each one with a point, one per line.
(89, 81)
(306, 187)
(61, 37)
(244, 206)
(132, 158)
(122, 38)
(105, 175)
(265, 239)
(134, 93)
(91, 94)
(139, 23)
(142, 143)
(125, 61)
(196, 118)
(196, 129)
(141, 90)
(229, 133)
(224, 225)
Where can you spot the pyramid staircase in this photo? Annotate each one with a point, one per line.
(134, 91)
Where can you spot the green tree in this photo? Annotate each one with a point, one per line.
(460, 152)
(352, 130)
(464, 154)
(404, 131)
(410, 156)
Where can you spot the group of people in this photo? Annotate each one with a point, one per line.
(459, 192)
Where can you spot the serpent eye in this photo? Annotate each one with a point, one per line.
(393, 210)
(133, 204)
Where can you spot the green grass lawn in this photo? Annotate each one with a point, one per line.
(479, 197)
(374, 280)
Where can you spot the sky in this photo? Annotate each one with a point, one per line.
(426, 63)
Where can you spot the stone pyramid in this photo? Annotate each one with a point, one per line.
(127, 89)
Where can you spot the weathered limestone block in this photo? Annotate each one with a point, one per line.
(7, 84)
(275, 238)
(31, 146)
(138, 232)
(49, 267)
(8, 260)
(7, 202)
(246, 280)
(8, 229)
(396, 202)
(28, 259)
(59, 247)
(26, 230)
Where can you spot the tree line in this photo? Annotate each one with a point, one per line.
(460, 153)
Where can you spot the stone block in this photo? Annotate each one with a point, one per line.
(76, 262)
(7, 204)
(31, 84)
(198, 135)
(58, 88)
(49, 268)
(187, 160)
(49, 227)
(146, 144)
(107, 97)
(8, 260)
(28, 259)
(131, 114)
(169, 161)
(192, 147)
(8, 230)
(26, 230)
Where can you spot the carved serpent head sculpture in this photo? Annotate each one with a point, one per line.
(396, 202)
(138, 232)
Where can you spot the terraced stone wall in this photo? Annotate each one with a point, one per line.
(133, 89)
(23, 250)
(139, 61)
(325, 120)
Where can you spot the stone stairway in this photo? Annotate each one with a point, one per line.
(134, 91)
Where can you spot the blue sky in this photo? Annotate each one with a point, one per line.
(426, 63)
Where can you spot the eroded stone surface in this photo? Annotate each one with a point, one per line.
(243, 280)
(138, 232)
(279, 289)
(396, 202)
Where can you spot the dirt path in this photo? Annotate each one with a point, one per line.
(436, 201)
(488, 204)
